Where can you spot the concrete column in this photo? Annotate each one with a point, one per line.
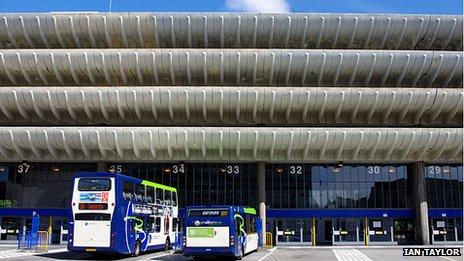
(101, 166)
(419, 192)
(262, 197)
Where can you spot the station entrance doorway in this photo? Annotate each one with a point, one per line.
(446, 230)
(293, 231)
(341, 227)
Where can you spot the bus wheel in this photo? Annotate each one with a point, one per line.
(167, 245)
(137, 249)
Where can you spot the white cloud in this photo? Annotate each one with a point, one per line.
(259, 6)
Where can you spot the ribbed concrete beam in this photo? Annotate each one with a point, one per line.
(237, 144)
(219, 106)
(224, 67)
(229, 30)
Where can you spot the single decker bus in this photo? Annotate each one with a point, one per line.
(118, 214)
(220, 231)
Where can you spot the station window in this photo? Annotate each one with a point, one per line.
(336, 186)
(202, 183)
(444, 186)
(39, 184)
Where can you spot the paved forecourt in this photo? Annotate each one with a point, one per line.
(347, 254)
(13, 254)
(281, 253)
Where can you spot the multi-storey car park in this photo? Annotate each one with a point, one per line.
(339, 128)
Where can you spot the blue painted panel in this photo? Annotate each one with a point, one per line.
(54, 212)
(3, 174)
(355, 213)
(446, 212)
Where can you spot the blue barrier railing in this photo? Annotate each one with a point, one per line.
(28, 241)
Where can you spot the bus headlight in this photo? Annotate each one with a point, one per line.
(231, 241)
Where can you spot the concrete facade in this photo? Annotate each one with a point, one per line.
(171, 87)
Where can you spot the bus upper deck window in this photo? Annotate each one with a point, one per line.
(128, 190)
(167, 198)
(159, 196)
(150, 194)
(140, 193)
(94, 184)
(174, 199)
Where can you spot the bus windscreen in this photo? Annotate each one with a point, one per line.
(94, 184)
(208, 213)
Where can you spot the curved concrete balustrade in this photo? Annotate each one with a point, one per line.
(229, 30)
(257, 67)
(203, 143)
(233, 106)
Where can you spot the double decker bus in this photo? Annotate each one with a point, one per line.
(220, 231)
(118, 214)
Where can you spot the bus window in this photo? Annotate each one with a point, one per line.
(237, 227)
(174, 224)
(167, 198)
(250, 224)
(148, 224)
(150, 194)
(94, 184)
(93, 216)
(253, 224)
(157, 224)
(174, 199)
(128, 190)
(159, 196)
(139, 192)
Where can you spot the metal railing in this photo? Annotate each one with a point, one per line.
(268, 242)
(38, 242)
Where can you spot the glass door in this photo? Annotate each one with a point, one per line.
(348, 230)
(380, 230)
(323, 231)
(446, 230)
(292, 231)
(403, 231)
(439, 230)
(10, 227)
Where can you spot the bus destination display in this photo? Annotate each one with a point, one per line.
(93, 206)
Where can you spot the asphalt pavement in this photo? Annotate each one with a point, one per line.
(345, 253)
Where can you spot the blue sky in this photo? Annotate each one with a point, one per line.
(344, 6)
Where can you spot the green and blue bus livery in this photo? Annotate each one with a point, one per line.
(220, 231)
(118, 214)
